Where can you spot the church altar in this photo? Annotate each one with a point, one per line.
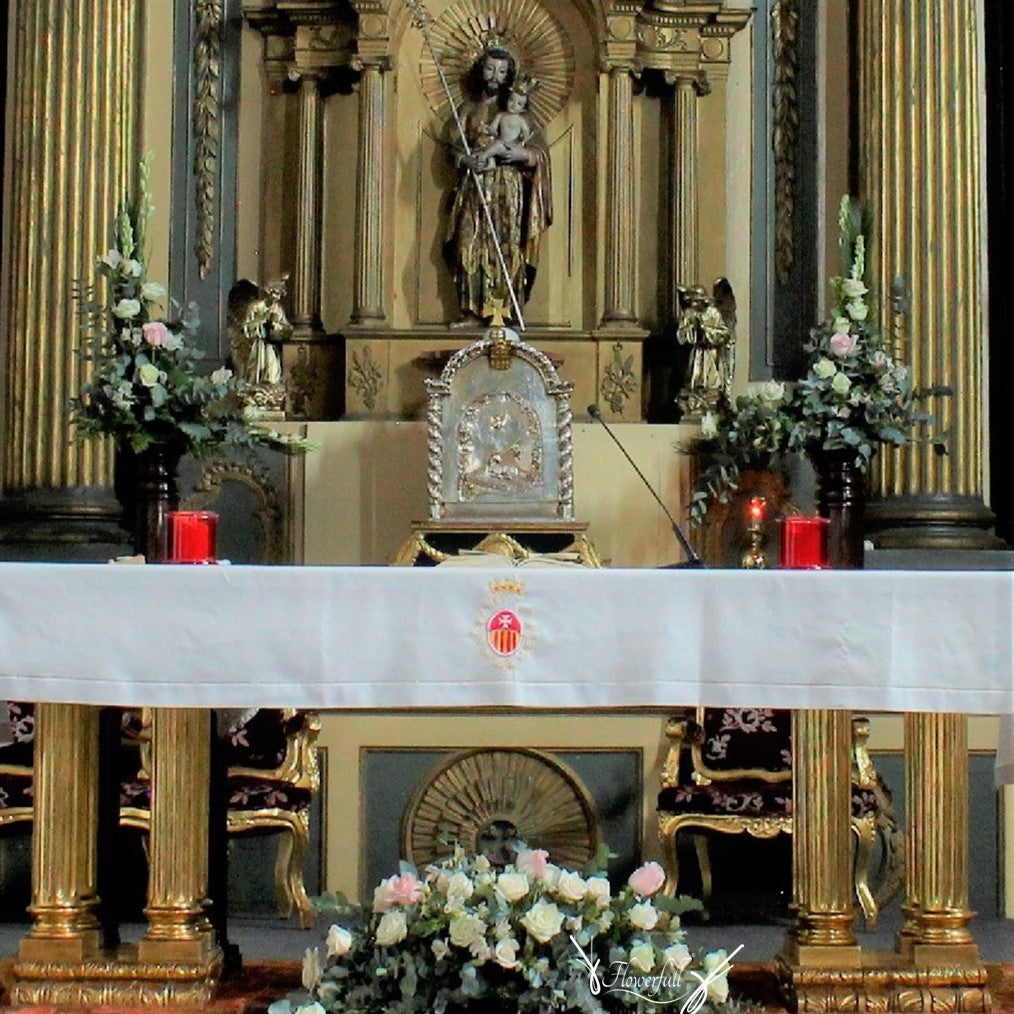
(182, 639)
(389, 638)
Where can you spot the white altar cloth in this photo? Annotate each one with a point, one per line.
(390, 638)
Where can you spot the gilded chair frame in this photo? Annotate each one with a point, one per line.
(873, 888)
(298, 770)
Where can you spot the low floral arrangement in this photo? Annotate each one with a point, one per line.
(855, 395)
(146, 385)
(527, 937)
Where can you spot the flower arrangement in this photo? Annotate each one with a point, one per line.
(526, 937)
(146, 386)
(855, 395)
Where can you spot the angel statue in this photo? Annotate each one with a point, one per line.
(257, 327)
(509, 160)
(707, 324)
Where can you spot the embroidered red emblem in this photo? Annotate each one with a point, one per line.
(503, 632)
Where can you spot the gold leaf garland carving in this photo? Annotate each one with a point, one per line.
(206, 124)
(785, 129)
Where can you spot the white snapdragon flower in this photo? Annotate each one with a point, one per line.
(311, 968)
(172, 342)
(853, 288)
(112, 259)
(857, 309)
(126, 309)
(131, 268)
(440, 948)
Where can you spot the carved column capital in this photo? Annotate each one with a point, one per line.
(681, 39)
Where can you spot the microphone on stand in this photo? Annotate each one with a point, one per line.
(692, 557)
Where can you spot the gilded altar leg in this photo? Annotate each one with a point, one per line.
(178, 929)
(822, 944)
(65, 777)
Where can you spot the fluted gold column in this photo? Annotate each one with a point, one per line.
(65, 777)
(306, 278)
(683, 202)
(73, 106)
(921, 175)
(368, 292)
(936, 885)
(821, 840)
(620, 262)
(178, 930)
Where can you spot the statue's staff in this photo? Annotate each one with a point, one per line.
(421, 21)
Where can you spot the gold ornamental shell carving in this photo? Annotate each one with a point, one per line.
(538, 42)
(485, 799)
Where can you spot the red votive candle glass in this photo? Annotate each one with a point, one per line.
(804, 543)
(192, 536)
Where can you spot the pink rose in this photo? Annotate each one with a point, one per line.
(154, 332)
(842, 344)
(647, 879)
(406, 889)
(532, 863)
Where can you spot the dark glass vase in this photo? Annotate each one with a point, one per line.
(147, 488)
(841, 498)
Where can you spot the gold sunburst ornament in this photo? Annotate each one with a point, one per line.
(485, 799)
(536, 40)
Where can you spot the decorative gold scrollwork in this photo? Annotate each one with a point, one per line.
(206, 124)
(785, 130)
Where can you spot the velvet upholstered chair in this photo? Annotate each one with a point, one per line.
(272, 775)
(729, 770)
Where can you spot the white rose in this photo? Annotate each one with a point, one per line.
(221, 376)
(512, 886)
(127, 308)
(482, 864)
(678, 956)
(571, 886)
(481, 951)
(772, 391)
(311, 1008)
(439, 948)
(841, 384)
(147, 375)
(505, 954)
(552, 875)
(642, 957)
(853, 288)
(824, 368)
(709, 425)
(857, 309)
(459, 889)
(606, 920)
(338, 941)
(543, 921)
(132, 268)
(152, 291)
(597, 889)
(644, 916)
(465, 929)
(842, 325)
(392, 929)
(112, 259)
(311, 968)
(718, 987)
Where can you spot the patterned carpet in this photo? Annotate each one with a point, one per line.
(251, 989)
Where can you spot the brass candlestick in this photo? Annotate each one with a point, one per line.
(754, 558)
